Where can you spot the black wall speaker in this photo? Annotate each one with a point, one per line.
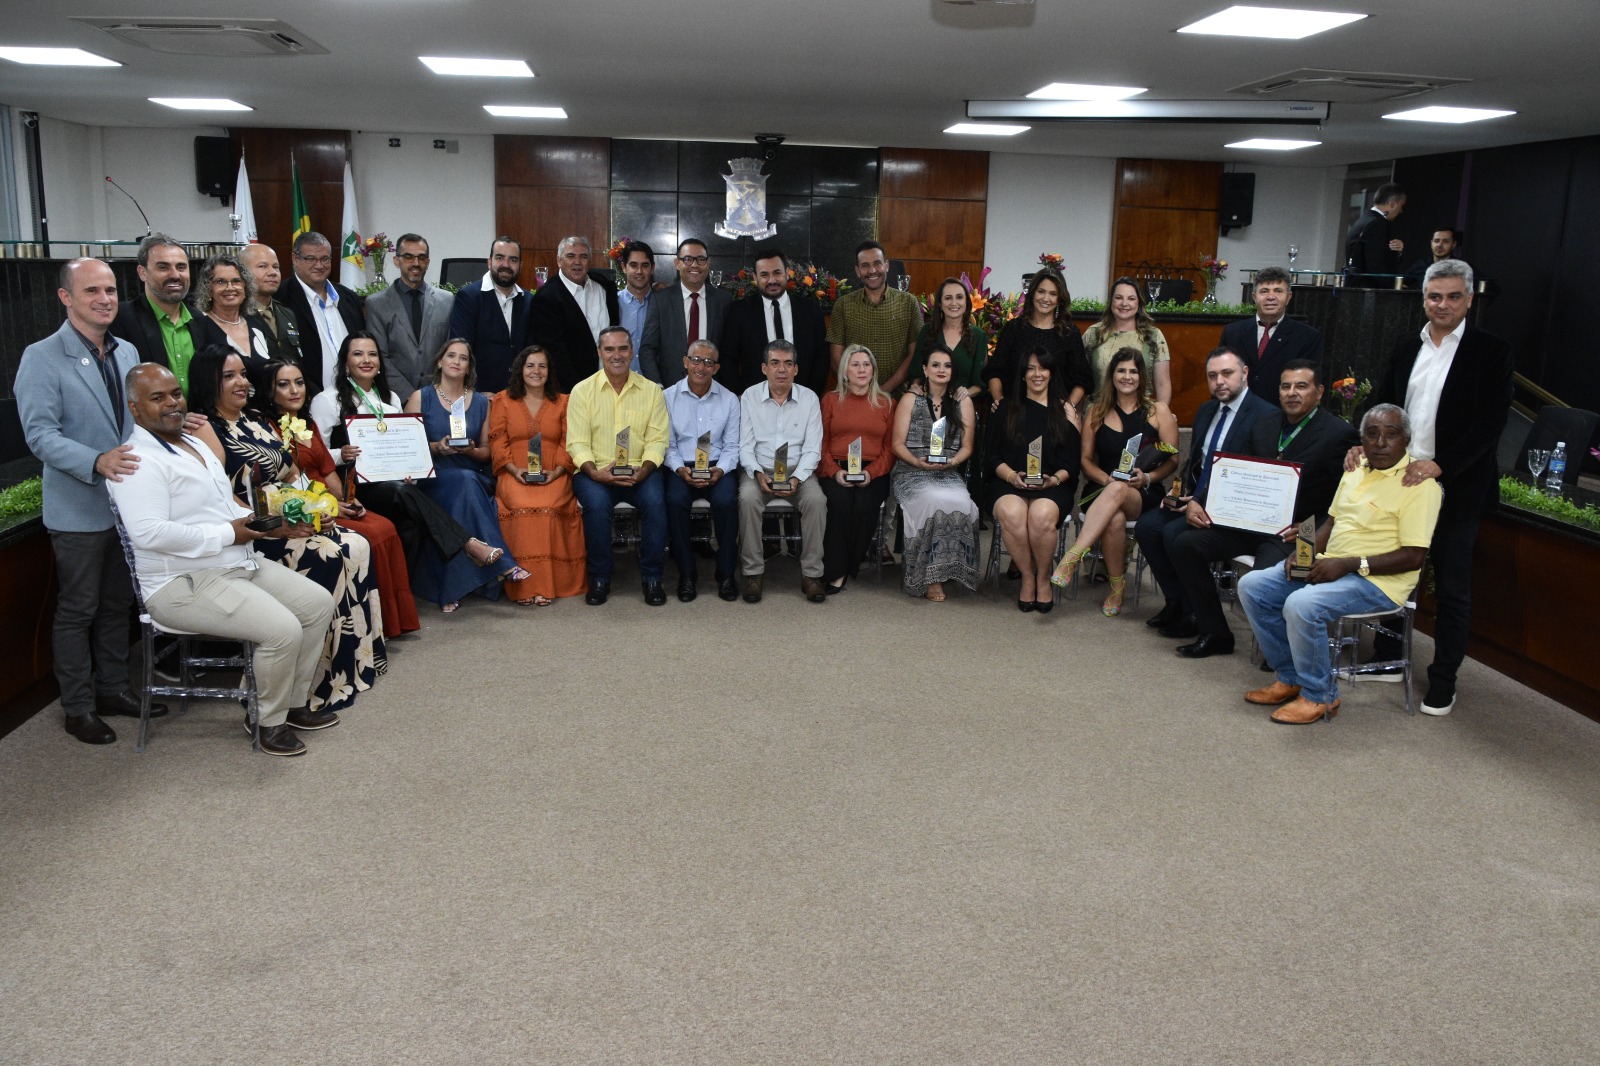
(213, 167)
(1238, 200)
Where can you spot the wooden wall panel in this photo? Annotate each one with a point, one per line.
(933, 174)
(320, 156)
(1177, 183)
(933, 211)
(549, 188)
(932, 229)
(1166, 213)
(552, 161)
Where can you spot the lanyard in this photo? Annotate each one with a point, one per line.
(371, 404)
(1284, 442)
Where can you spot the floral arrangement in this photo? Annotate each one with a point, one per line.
(376, 248)
(1348, 393)
(306, 506)
(1216, 269)
(990, 310)
(1530, 498)
(614, 253)
(1052, 260)
(805, 280)
(293, 431)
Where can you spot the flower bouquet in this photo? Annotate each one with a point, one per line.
(1216, 269)
(1054, 261)
(614, 253)
(1348, 394)
(805, 280)
(377, 249)
(306, 506)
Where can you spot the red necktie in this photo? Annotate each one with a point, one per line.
(1266, 335)
(694, 317)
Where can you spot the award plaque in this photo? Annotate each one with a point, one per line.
(264, 520)
(535, 474)
(936, 453)
(458, 425)
(1173, 500)
(1034, 478)
(622, 468)
(702, 459)
(1130, 452)
(1305, 550)
(780, 468)
(852, 464)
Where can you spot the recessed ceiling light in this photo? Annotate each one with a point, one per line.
(1066, 90)
(56, 57)
(1448, 114)
(517, 111)
(987, 129)
(200, 103)
(1272, 144)
(479, 68)
(1280, 22)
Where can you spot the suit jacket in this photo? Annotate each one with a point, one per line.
(1290, 340)
(744, 337)
(284, 342)
(666, 330)
(407, 359)
(1319, 448)
(476, 316)
(556, 321)
(1366, 246)
(293, 295)
(136, 323)
(1472, 414)
(68, 419)
(1237, 440)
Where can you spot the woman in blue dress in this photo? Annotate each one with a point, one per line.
(461, 483)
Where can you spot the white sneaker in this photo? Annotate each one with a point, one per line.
(1436, 711)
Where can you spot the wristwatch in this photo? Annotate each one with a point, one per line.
(1364, 570)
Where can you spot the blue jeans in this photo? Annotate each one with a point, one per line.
(724, 497)
(597, 501)
(1291, 622)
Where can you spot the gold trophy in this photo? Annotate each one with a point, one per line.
(702, 459)
(1305, 550)
(1130, 454)
(780, 468)
(622, 468)
(535, 474)
(936, 453)
(1034, 478)
(458, 425)
(255, 493)
(852, 464)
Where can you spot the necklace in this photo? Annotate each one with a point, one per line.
(224, 321)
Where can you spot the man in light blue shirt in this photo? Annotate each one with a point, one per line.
(638, 274)
(698, 405)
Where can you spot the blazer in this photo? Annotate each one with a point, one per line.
(1291, 340)
(556, 321)
(744, 340)
(1319, 448)
(408, 360)
(666, 330)
(476, 317)
(136, 323)
(68, 420)
(284, 342)
(293, 295)
(1366, 246)
(1252, 408)
(1473, 409)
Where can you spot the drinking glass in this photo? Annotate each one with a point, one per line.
(716, 279)
(541, 274)
(1294, 253)
(1538, 459)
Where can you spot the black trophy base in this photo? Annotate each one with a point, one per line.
(265, 523)
(854, 479)
(534, 479)
(1297, 573)
(458, 442)
(1033, 482)
(622, 471)
(938, 460)
(699, 475)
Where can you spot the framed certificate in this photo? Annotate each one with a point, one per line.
(393, 447)
(1249, 493)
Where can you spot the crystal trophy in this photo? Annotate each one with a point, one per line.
(1305, 550)
(852, 464)
(535, 474)
(458, 425)
(622, 468)
(1130, 453)
(702, 459)
(1034, 478)
(780, 469)
(263, 519)
(936, 453)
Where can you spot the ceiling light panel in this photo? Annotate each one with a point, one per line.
(462, 66)
(1270, 144)
(521, 111)
(1276, 22)
(200, 103)
(1455, 115)
(1067, 90)
(986, 129)
(56, 57)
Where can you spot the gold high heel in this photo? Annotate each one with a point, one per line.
(1067, 567)
(1119, 585)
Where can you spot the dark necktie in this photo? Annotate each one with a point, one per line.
(777, 322)
(1266, 335)
(416, 314)
(1211, 449)
(694, 317)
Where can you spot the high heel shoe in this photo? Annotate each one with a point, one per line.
(1113, 605)
(1067, 567)
(1044, 606)
(1026, 606)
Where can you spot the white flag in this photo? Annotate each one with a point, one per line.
(353, 268)
(244, 211)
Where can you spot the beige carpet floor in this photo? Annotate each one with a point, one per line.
(872, 831)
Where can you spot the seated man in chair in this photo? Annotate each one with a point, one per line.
(1369, 556)
(196, 569)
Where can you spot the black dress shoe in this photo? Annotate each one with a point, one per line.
(655, 595)
(1206, 646)
(598, 593)
(686, 589)
(306, 720)
(1172, 612)
(90, 729)
(1183, 627)
(280, 740)
(124, 705)
(728, 589)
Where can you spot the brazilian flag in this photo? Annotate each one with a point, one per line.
(302, 217)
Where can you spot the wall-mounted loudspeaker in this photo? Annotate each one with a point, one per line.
(1238, 200)
(213, 167)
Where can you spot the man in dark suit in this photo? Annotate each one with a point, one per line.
(1301, 433)
(411, 318)
(1224, 423)
(279, 324)
(1271, 341)
(567, 314)
(494, 314)
(327, 311)
(684, 312)
(1369, 247)
(164, 270)
(1444, 244)
(770, 313)
(1454, 382)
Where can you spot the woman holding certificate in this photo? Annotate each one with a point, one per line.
(538, 512)
(456, 418)
(1128, 325)
(1129, 470)
(1033, 448)
(854, 469)
(933, 436)
(255, 457)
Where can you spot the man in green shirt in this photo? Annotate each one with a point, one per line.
(157, 321)
(884, 320)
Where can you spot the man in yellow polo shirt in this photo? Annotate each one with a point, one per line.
(1369, 556)
(601, 406)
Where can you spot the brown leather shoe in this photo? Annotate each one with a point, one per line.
(812, 587)
(1303, 712)
(1273, 694)
(752, 588)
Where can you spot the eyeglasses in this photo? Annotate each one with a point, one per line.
(320, 260)
(700, 360)
(694, 260)
(407, 257)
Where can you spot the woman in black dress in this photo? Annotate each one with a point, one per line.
(1045, 322)
(1035, 408)
(1122, 408)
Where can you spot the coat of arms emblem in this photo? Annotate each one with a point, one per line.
(747, 201)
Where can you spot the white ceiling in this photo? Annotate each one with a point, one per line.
(844, 72)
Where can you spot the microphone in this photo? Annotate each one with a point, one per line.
(148, 229)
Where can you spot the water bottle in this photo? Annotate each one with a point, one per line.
(1557, 468)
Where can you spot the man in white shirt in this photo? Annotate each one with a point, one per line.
(197, 571)
(568, 312)
(776, 413)
(327, 312)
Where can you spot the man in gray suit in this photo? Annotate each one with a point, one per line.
(411, 318)
(69, 395)
(686, 311)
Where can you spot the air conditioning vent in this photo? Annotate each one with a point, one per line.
(1345, 86)
(228, 38)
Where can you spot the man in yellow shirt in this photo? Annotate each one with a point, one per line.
(601, 406)
(1369, 556)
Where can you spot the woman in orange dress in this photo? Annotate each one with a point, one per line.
(540, 522)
